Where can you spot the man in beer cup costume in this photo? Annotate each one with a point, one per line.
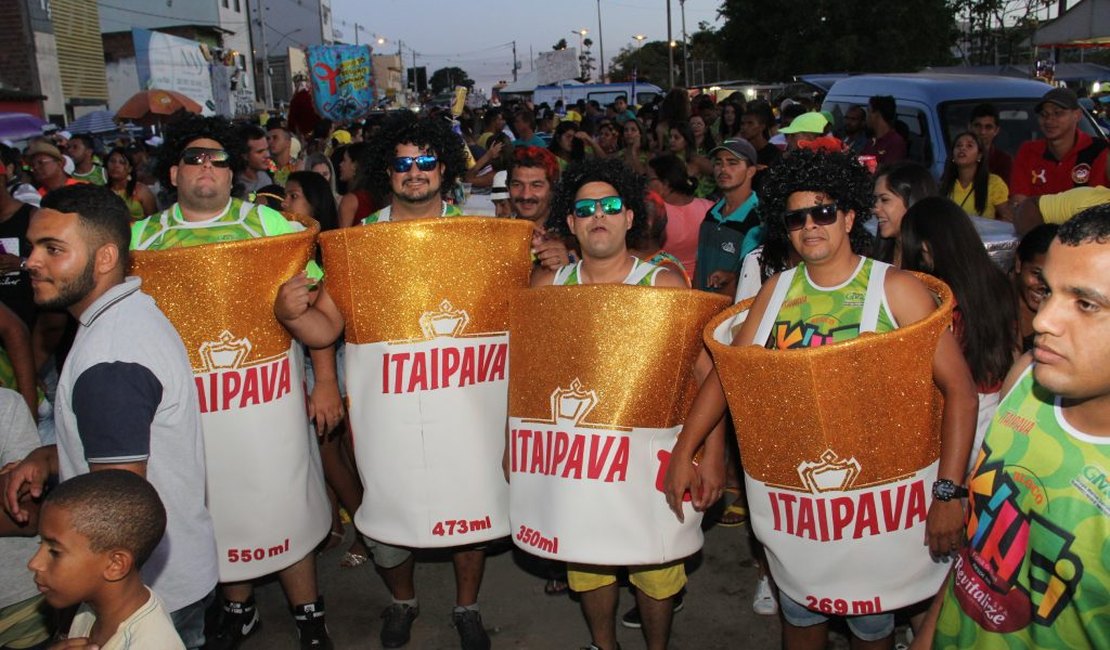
(265, 485)
(594, 410)
(427, 365)
(840, 454)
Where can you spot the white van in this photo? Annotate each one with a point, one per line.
(637, 94)
(937, 107)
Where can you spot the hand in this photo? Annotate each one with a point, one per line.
(721, 281)
(325, 405)
(495, 149)
(10, 263)
(20, 479)
(293, 298)
(682, 477)
(552, 253)
(711, 472)
(944, 527)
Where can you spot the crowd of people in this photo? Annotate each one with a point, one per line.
(112, 457)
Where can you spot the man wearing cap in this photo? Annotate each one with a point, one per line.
(48, 167)
(804, 128)
(888, 146)
(499, 194)
(1064, 158)
(731, 228)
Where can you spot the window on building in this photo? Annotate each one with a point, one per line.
(238, 6)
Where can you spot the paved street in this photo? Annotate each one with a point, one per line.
(518, 614)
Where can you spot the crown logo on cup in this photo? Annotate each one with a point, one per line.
(225, 353)
(447, 321)
(831, 473)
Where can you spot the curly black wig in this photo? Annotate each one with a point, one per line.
(629, 185)
(407, 128)
(840, 176)
(190, 127)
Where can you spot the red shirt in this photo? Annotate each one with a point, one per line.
(1037, 172)
(888, 149)
(1000, 163)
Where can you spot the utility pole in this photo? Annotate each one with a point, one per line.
(600, 42)
(515, 66)
(686, 65)
(267, 88)
(356, 33)
(670, 47)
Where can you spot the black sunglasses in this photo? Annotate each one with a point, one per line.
(199, 156)
(822, 215)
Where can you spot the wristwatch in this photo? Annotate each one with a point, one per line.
(945, 490)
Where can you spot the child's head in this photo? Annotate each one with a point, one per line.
(97, 528)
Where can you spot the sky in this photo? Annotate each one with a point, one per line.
(476, 35)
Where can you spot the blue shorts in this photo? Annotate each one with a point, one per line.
(868, 627)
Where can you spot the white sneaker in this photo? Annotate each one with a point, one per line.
(764, 602)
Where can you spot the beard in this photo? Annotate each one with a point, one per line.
(71, 291)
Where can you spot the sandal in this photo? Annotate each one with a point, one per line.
(555, 587)
(734, 513)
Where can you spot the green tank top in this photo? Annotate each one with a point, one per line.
(383, 215)
(240, 220)
(802, 314)
(1036, 569)
(642, 274)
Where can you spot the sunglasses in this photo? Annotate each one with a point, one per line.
(426, 163)
(584, 208)
(198, 156)
(822, 215)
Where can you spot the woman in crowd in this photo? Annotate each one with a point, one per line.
(635, 150)
(674, 109)
(123, 180)
(668, 177)
(728, 125)
(321, 164)
(308, 194)
(703, 137)
(897, 188)
(566, 145)
(968, 182)
(684, 144)
(1029, 287)
(359, 202)
(609, 137)
(649, 246)
(938, 238)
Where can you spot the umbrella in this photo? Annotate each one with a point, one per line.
(19, 126)
(151, 105)
(95, 122)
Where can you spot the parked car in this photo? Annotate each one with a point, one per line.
(936, 107)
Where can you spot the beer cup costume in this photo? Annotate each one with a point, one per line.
(595, 405)
(428, 371)
(837, 485)
(265, 484)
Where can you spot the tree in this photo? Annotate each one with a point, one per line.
(446, 79)
(649, 61)
(773, 41)
(561, 45)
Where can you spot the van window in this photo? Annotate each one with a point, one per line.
(919, 145)
(1017, 124)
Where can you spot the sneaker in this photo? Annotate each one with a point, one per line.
(398, 624)
(239, 621)
(468, 623)
(631, 618)
(311, 629)
(764, 602)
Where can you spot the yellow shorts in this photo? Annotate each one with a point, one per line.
(658, 581)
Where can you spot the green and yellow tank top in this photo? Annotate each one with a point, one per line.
(642, 274)
(383, 215)
(1036, 569)
(802, 314)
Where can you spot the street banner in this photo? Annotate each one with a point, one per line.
(265, 483)
(342, 79)
(838, 478)
(426, 305)
(602, 380)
